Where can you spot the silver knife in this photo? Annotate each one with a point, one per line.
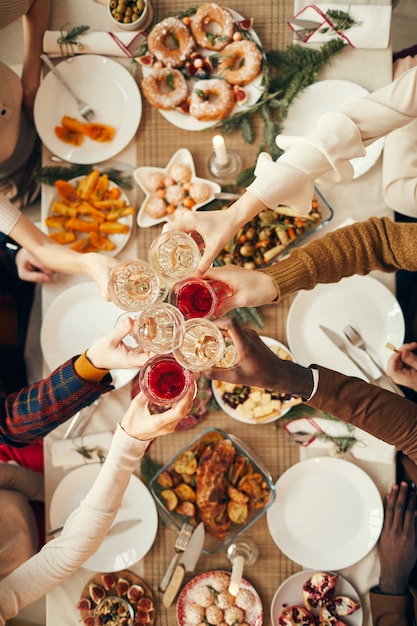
(339, 343)
(309, 24)
(118, 527)
(187, 563)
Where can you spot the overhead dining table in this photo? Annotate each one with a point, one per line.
(155, 142)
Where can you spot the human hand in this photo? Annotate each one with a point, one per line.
(402, 366)
(110, 352)
(30, 269)
(141, 424)
(250, 287)
(206, 223)
(258, 366)
(98, 267)
(398, 541)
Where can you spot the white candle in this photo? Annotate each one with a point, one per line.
(237, 571)
(220, 151)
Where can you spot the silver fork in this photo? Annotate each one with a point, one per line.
(357, 340)
(85, 110)
(181, 543)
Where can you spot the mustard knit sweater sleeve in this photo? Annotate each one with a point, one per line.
(375, 244)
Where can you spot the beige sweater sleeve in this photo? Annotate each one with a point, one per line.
(376, 244)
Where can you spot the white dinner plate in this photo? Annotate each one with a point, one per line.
(361, 301)
(327, 513)
(107, 87)
(322, 97)
(77, 317)
(184, 157)
(119, 239)
(186, 121)
(123, 549)
(289, 594)
(217, 393)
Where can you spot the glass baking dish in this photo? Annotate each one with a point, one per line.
(248, 248)
(254, 467)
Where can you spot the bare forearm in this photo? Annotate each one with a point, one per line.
(50, 254)
(35, 22)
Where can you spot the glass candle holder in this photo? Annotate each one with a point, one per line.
(196, 297)
(163, 380)
(133, 285)
(174, 255)
(199, 345)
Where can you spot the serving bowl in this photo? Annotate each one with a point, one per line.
(129, 14)
(272, 234)
(173, 485)
(154, 180)
(254, 405)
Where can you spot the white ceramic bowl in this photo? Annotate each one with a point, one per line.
(141, 23)
(219, 388)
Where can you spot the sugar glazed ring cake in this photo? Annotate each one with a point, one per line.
(200, 62)
(240, 62)
(171, 42)
(211, 99)
(208, 15)
(165, 88)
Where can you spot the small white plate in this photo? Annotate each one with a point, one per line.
(123, 549)
(327, 513)
(361, 301)
(271, 343)
(107, 87)
(186, 121)
(119, 240)
(77, 317)
(182, 156)
(289, 594)
(322, 97)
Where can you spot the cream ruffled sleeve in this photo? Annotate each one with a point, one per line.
(324, 154)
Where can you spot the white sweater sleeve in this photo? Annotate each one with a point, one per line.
(59, 558)
(324, 154)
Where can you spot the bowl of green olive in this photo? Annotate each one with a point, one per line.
(129, 14)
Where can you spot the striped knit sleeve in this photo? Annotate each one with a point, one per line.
(34, 411)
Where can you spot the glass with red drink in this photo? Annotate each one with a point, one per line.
(196, 297)
(164, 381)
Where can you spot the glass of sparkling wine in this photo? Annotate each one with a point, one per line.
(174, 255)
(199, 345)
(163, 380)
(155, 327)
(196, 297)
(133, 285)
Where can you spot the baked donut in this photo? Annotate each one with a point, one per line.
(212, 26)
(240, 62)
(211, 100)
(171, 42)
(165, 88)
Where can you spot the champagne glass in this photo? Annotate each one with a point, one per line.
(199, 345)
(196, 297)
(174, 255)
(163, 380)
(133, 285)
(155, 327)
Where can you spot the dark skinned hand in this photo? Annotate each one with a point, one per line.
(398, 541)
